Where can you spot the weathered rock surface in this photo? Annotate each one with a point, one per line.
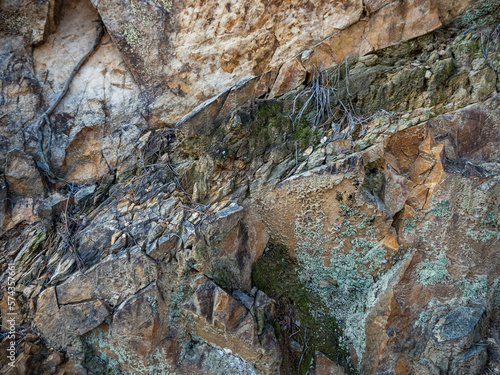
(246, 239)
(112, 280)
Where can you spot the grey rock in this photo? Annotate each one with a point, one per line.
(164, 247)
(51, 205)
(457, 324)
(472, 361)
(188, 233)
(83, 194)
(243, 298)
(316, 159)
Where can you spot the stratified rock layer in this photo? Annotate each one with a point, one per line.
(245, 239)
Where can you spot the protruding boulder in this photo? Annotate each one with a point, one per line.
(21, 174)
(60, 325)
(222, 321)
(114, 279)
(325, 366)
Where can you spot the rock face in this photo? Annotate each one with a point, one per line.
(250, 187)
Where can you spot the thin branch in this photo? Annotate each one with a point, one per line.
(45, 116)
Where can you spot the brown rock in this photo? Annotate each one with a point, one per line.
(71, 368)
(418, 196)
(420, 169)
(404, 145)
(386, 26)
(61, 325)
(325, 366)
(30, 348)
(239, 237)
(351, 41)
(201, 117)
(396, 191)
(137, 324)
(224, 322)
(23, 366)
(52, 205)
(53, 360)
(390, 242)
(374, 5)
(21, 174)
(377, 327)
(240, 95)
(266, 82)
(339, 146)
(321, 55)
(165, 247)
(421, 17)
(112, 280)
(291, 75)
(30, 337)
(450, 9)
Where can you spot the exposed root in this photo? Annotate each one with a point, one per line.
(45, 116)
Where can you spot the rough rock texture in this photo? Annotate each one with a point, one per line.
(298, 187)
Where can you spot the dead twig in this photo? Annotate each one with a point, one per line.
(330, 102)
(492, 39)
(305, 348)
(68, 236)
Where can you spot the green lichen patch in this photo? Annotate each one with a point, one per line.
(168, 5)
(441, 208)
(474, 290)
(32, 249)
(483, 12)
(409, 225)
(485, 228)
(423, 320)
(434, 272)
(106, 355)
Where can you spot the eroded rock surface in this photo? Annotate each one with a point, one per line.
(326, 203)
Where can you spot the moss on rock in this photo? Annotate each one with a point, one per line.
(277, 274)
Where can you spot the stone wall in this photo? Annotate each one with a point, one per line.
(208, 213)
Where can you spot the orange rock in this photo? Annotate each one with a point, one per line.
(386, 26)
(351, 41)
(390, 243)
(428, 143)
(404, 145)
(404, 224)
(265, 83)
(418, 196)
(318, 57)
(421, 17)
(452, 8)
(420, 169)
(290, 76)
